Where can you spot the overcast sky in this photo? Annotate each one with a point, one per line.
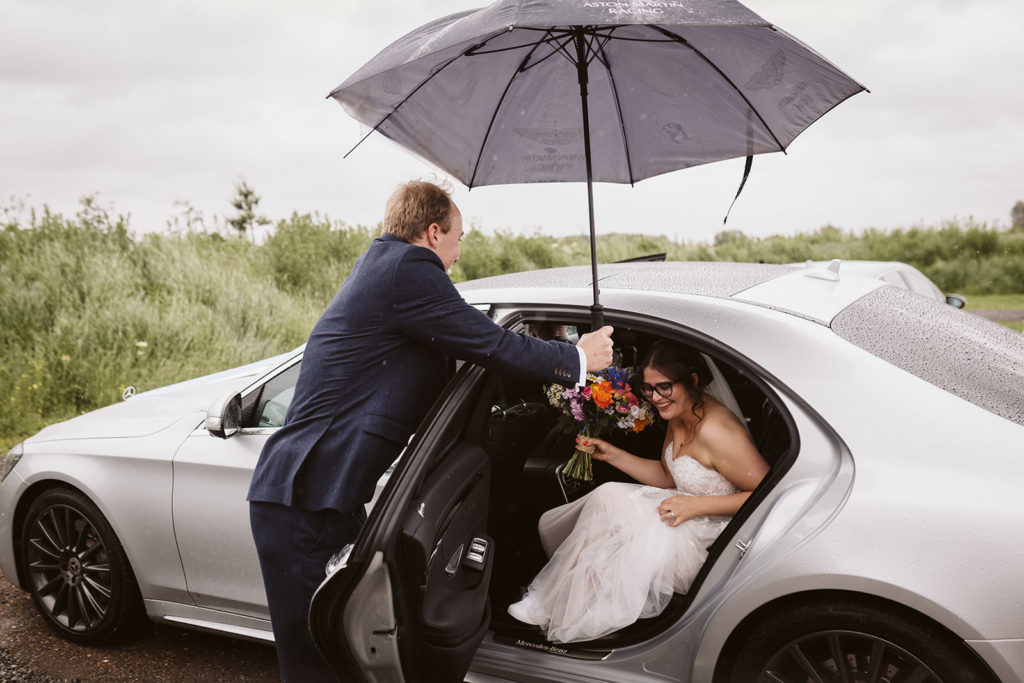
(148, 103)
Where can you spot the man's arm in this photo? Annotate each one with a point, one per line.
(429, 308)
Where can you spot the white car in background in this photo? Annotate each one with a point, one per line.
(902, 275)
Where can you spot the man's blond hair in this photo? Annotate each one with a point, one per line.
(414, 206)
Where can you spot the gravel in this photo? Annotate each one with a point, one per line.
(13, 671)
(30, 652)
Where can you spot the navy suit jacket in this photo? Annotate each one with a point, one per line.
(374, 363)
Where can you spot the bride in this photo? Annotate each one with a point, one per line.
(620, 552)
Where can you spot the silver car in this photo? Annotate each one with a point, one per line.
(880, 547)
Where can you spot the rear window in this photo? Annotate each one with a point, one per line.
(968, 356)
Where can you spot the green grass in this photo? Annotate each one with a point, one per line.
(87, 308)
(998, 302)
(995, 302)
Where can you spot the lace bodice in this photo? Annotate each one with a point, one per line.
(693, 478)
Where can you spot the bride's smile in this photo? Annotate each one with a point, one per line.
(667, 395)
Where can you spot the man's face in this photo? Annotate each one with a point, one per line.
(448, 243)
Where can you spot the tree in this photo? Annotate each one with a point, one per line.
(1017, 216)
(726, 236)
(245, 202)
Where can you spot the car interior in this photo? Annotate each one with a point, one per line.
(527, 450)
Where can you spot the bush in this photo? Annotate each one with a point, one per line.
(87, 308)
(308, 254)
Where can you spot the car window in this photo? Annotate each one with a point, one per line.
(922, 285)
(968, 356)
(553, 330)
(893, 278)
(276, 397)
(486, 309)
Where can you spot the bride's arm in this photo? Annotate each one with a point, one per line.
(649, 472)
(734, 455)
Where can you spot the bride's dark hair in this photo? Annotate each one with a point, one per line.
(679, 363)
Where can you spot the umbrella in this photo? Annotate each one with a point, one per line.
(525, 91)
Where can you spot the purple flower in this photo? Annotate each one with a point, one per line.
(577, 409)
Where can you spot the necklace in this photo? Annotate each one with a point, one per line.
(693, 435)
(693, 431)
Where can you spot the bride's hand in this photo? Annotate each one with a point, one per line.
(603, 451)
(677, 509)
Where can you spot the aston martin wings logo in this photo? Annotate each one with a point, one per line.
(551, 136)
(770, 73)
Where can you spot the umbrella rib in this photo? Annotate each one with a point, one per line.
(501, 100)
(682, 41)
(550, 37)
(570, 38)
(413, 91)
(596, 42)
(600, 55)
(555, 49)
(595, 30)
(635, 40)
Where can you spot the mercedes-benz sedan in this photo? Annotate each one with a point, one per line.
(881, 546)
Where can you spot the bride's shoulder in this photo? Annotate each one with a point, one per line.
(716, 413)
(720, 423)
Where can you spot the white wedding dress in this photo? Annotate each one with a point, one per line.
(613, 560)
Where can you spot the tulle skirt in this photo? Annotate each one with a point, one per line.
(612, 561)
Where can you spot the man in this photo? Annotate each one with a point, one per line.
(375, 362)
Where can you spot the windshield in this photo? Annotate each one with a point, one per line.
(968, 356)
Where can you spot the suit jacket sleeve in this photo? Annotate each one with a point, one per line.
(429, 308)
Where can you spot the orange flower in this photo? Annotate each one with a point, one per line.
(639, 425)
(602, 392)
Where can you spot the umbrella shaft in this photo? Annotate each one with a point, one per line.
(596, 314)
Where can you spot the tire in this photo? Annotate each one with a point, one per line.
(76, 570)
(853, 640)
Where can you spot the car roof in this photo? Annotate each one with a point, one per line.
(869, 268)
(814, 293)
(914, 333)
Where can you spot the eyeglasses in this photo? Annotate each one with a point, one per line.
(664, 389)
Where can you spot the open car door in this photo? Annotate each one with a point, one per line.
(410, 600)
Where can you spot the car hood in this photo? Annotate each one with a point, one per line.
(152, 411)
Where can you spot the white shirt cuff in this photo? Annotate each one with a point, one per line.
(582, 381)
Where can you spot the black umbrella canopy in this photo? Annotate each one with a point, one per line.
(526, 91)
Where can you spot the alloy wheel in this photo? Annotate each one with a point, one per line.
(847, 656)
(69, 568)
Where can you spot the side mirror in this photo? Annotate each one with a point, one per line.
(956, 301)
(224, 417)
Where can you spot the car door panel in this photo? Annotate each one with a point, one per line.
(443, 536)
(425, 551)
(211, 513)
(211, 521)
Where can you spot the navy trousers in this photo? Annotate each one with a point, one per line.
(294, 546)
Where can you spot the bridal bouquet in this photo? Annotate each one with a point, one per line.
(605, 404)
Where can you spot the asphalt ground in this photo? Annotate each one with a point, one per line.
(30, 652)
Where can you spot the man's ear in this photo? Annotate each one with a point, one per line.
(433, 235)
